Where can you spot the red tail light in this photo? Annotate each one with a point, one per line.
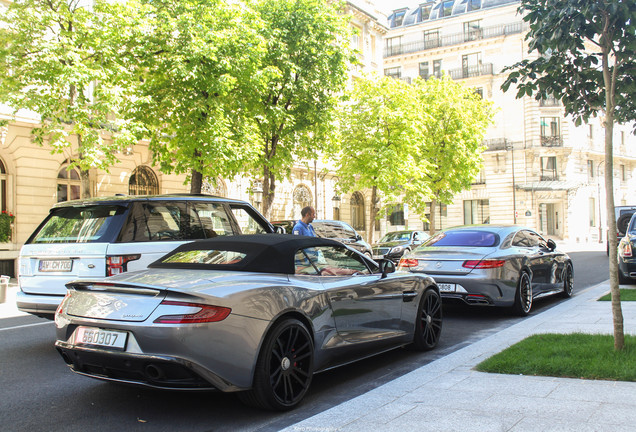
(483, 264)
(408, 262)
(117, 264)
(207, 313)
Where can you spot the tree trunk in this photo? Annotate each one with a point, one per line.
(431, 217)
(269, 192)
(196, 182)
(373, 213)
(617, 313)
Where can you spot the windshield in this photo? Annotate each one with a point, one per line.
(77, 224)
(468, 238)
(396, 236)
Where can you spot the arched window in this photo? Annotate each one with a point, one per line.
(143, 181)
(302, 198)
(69, 185)
(357, 211)
(219, 190)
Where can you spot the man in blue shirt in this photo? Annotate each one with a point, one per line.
(303, 226)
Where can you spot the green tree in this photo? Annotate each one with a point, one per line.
(380, 136)
(585, 56)
(454, 119)
(194, 62)
(305, 66)
(57, 63)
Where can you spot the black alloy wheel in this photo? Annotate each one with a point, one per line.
(568, 281)
(523, 296)
(284, 368)
(428, 325)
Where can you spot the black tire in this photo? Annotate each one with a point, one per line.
(284, 368)
(623, 222)
(568, 281)
(523, 295)
(428, 324)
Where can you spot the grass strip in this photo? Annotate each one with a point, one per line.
(575, 355)
(627, 294)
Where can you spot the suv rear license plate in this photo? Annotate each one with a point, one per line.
(98, 337)
(446, 287)
(55, 265)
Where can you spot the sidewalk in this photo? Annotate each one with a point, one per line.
(448, 395)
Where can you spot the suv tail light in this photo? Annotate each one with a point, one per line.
(483, 264)
(116, 264)
(627, 249)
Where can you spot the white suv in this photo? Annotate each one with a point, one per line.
(101, 237)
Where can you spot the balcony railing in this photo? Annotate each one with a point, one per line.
(549, 176)
(455, 39)
(495, 144)
(471, 71)
(552, 141)
(550, 102)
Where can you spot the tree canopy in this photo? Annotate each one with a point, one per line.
(584, 53)
(193, 62)
(304, 68)
(57, 63)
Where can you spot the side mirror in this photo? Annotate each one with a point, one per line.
(386, 266)
(551, 244)
(358, 237)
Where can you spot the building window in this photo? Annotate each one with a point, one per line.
(623, 174)
(398, 18)
(591, 134)
(357, 211)
(356, 38)
(471, 65)
(302, 197)
(393, 46)
(396, 215)
(218, 189)
(550, 127)
(592, 211)
(437, 68)
(590, 170)
(68, 183)
(481, 177)
(394, 72)
(3, 187)
(143, 181)
(425, 11)
(424, 71)
(622, 138)
(549, 168)
(473, 5)
(479, 91)
(476, 212)
(447, 8)
(440, 220)
(431, 39)
(472, 30)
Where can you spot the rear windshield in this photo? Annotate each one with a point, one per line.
(333, 230)
(468, 238)
(78, 224)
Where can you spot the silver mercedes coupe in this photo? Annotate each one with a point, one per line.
(493, 265)
(254, 314)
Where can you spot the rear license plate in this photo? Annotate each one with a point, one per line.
(446, 287)
(98, 337)
(377, 257)
(55, 265)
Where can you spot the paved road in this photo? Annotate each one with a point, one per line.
(38, 392)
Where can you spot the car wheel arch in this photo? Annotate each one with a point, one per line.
(283, 315)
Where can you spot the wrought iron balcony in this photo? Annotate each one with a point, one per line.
(549, 176)
(550, 101)
(552, 141)
(471, 71)
(455, 39)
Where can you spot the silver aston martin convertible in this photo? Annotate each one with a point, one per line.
(255, 314)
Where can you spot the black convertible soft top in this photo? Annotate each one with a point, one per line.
(265, 253)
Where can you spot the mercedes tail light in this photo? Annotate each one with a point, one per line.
(116, 264)
(205, 314)
(627, 250)
(483, 264)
